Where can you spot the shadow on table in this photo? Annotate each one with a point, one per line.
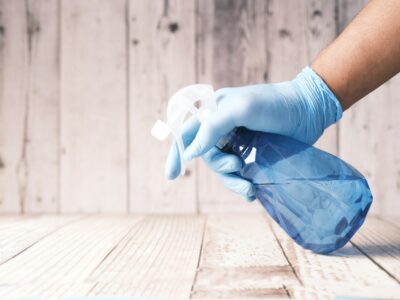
(387, 249)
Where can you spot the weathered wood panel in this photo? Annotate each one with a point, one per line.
(230, 52)
(369, 134)
(29, 106)
(13, 105)
(93, 106)
(161, 60)
(81, 83)
(42, 111)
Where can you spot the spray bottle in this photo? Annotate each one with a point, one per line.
(317, 198)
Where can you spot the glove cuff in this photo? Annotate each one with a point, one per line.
(331, 107)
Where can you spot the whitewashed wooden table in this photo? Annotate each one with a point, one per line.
(186, 256)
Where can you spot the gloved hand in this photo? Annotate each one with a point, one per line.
(301, 108)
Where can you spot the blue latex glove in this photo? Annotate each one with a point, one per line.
(301, 108)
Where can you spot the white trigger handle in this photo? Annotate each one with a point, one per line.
(197, 100)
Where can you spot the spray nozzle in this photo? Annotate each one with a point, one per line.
(197, 100)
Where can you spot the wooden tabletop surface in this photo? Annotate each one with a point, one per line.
(187, 256)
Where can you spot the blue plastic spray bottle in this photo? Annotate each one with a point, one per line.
(317, 198)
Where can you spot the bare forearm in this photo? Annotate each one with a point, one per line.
(365, 55)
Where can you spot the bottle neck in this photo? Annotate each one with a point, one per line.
(237, 142)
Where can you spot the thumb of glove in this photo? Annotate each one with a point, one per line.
(210, 131)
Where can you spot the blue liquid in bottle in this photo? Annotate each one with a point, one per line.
(318, 199)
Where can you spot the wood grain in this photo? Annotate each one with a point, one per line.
(29, 106)
(241, 258)
(17, 234)
(161, 60)
(42, 115)
(157, 259)
(93, 106)
(60, 264)
(188, 256)
(13, 106)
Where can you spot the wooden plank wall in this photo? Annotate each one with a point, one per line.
(81, 83)
(93, 106)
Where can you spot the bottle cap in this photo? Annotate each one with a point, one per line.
(197, 100)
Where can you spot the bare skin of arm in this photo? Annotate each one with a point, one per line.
(365, 55)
